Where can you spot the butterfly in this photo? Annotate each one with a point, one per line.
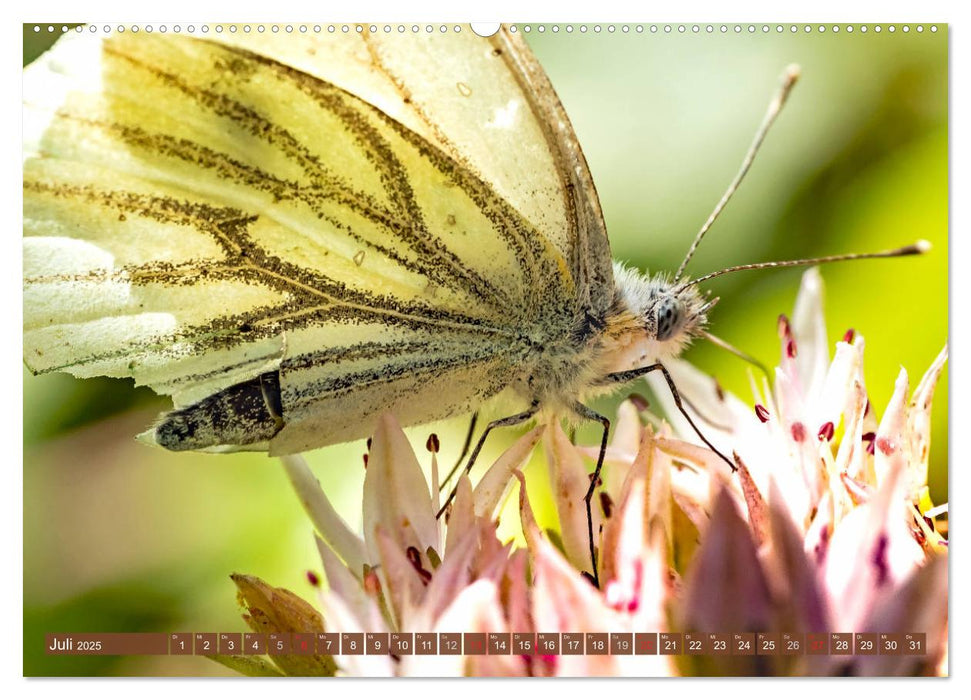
(290, 235)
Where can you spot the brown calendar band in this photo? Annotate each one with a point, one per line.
(520, 643)
(106, 644)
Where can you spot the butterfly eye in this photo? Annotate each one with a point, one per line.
(669, 313)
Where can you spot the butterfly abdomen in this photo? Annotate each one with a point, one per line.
(243, 414)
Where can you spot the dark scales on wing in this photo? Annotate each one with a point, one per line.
(242, 414)
(548, 295)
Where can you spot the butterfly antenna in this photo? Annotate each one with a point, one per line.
(917, 248)
(789, 77)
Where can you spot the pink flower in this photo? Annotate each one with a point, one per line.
(814, 532)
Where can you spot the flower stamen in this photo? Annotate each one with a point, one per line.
(606, 504)
(640, 403)
(826, 431)
(414, 556)
(762, 412)
(869, 439)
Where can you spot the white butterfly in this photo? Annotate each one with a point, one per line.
(292, 234)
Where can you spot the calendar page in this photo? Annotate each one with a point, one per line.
(433, 349)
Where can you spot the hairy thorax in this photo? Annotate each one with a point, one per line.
(650, 320)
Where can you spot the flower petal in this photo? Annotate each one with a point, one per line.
(448, 580)
(716, 412)
(820, 531)
(272, 609)
(797, 470)
(531, 530)
(341, 619)
(461, 517)
(570, 480)
(920, 604)
(276, 609)
(695, 473)
(488, 547)
(250, 665)
(396, 493)
(657, 508)
(890, 435)
(758, 511)
(871, 550)
(475, 610)
(436, 490)
(493, 567)
(517, 593)
(622, 450)
(349, 589)
(563, 601)
(726, 588)
(402, 585)
(802, 604)
(494, 483)
(851, 458)
(328, 523)
(919, 424)
(621, 567)
(836, 395)
(809, 332)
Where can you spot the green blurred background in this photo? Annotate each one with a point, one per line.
(121, 537)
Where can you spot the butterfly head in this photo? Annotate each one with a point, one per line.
(673, 314)
(668, 316)
(653, 316)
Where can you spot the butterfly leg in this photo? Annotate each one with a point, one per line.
(630, 375)
(465, 450)
(500, 423)
(590, 414)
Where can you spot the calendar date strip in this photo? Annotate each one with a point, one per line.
(458, 643)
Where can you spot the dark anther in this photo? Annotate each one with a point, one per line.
(880, 558)
(826, 431)
(762, 412)
(869, 439)
(640, 403)
(414, 556)
(606, 504)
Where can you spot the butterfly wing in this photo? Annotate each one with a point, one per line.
(488, 104)
(199, 213)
